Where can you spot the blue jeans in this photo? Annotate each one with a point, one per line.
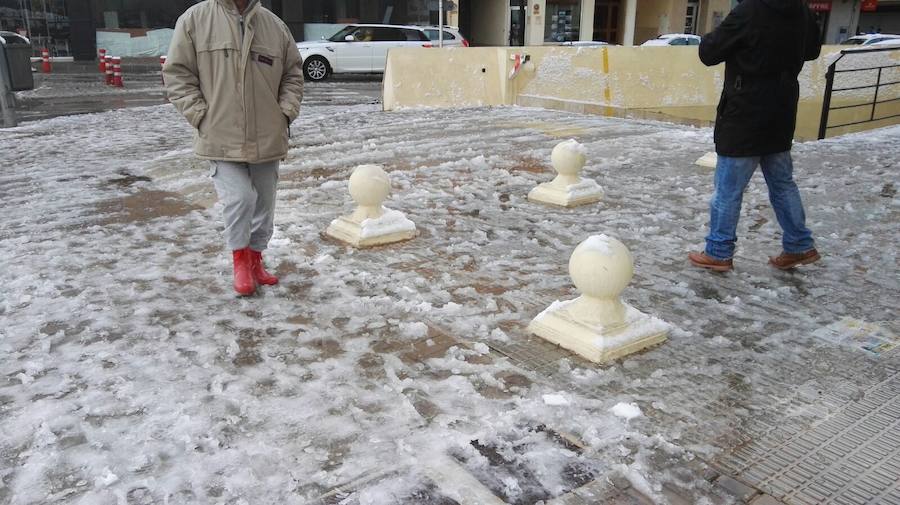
(732, 177)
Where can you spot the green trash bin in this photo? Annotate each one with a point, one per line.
(17, 52)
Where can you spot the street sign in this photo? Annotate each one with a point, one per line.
(820, 6)
(869, 6)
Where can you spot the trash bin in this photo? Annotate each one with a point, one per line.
(17, 55)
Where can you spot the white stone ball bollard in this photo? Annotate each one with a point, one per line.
(568, 189)
(568, 159)
(370, 186)
(371, 223)
(598, 325)
(601, 268)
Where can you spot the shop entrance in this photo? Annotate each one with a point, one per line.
(606, 21)
(517, 22)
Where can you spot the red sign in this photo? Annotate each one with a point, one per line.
(820, 6)
(869, 5)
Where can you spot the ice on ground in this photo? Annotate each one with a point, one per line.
(627, 411)
(555, 400)
(133, 374)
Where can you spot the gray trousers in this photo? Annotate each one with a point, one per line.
(247, 190)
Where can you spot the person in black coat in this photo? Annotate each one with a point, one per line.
(764, 44)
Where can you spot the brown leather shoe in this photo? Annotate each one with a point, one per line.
(700, 259)
(787, 261)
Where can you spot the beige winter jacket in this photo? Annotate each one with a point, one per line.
(237, 79)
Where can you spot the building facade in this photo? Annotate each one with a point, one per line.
(624, 22)
(134, 28)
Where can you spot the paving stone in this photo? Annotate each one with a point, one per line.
(737, 489)
(765, 499)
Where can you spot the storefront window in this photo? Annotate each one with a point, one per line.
(138, 14)
(44, 22)
(563, 20)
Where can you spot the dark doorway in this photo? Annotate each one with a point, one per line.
(517, 22)
(465, 17)
(606, 21)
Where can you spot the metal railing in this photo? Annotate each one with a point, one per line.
(830, 90)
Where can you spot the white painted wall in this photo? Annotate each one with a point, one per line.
(534, 23)
(587, 20)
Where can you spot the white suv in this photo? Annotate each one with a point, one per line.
(357, 49)
(871, 39)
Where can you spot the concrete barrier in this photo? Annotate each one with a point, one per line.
(452, 77)
(667, 83)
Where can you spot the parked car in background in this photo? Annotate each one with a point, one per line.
(13, 38)
(893, 41)
(452, 36)
(357, 48)
(674, 39)
(870, 39)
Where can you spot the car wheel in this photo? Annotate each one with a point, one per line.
(316, 68)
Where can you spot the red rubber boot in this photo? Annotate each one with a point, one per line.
(243, 272)
(259, 270)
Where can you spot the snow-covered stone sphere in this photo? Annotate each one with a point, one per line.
(568, 158)
(601, 267)
(369, 185)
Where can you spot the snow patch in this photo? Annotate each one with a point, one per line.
(626, 410)
(392, 221)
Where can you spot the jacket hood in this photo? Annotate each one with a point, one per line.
(786, 6)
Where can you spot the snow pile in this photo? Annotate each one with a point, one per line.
(573, 146)
(392, 221)
(599, 244)
(627, 411)
(584, 188)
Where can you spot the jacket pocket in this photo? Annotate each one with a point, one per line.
(267, 65)
(216, 61)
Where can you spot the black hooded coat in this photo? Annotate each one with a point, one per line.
(763, 44)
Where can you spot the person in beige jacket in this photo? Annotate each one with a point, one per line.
(234, 72)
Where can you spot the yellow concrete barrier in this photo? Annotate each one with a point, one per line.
(668, 83)
(453, 77)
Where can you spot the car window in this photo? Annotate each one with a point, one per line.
(365, 34)
(433, 34)
(411, 35)
(384, 34)
(12, 38)
(342, 34)
(680, 41)
(693, 42)
(853, 42)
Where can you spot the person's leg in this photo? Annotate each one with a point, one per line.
(265, 182)
(236, 192)
(732, 176)
(238, 196)
(784, 195)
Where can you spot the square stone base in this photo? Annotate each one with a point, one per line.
(552, 195)
(349, 231)
(708, 160)
(600, 344)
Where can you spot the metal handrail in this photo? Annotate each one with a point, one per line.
(830, 90)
